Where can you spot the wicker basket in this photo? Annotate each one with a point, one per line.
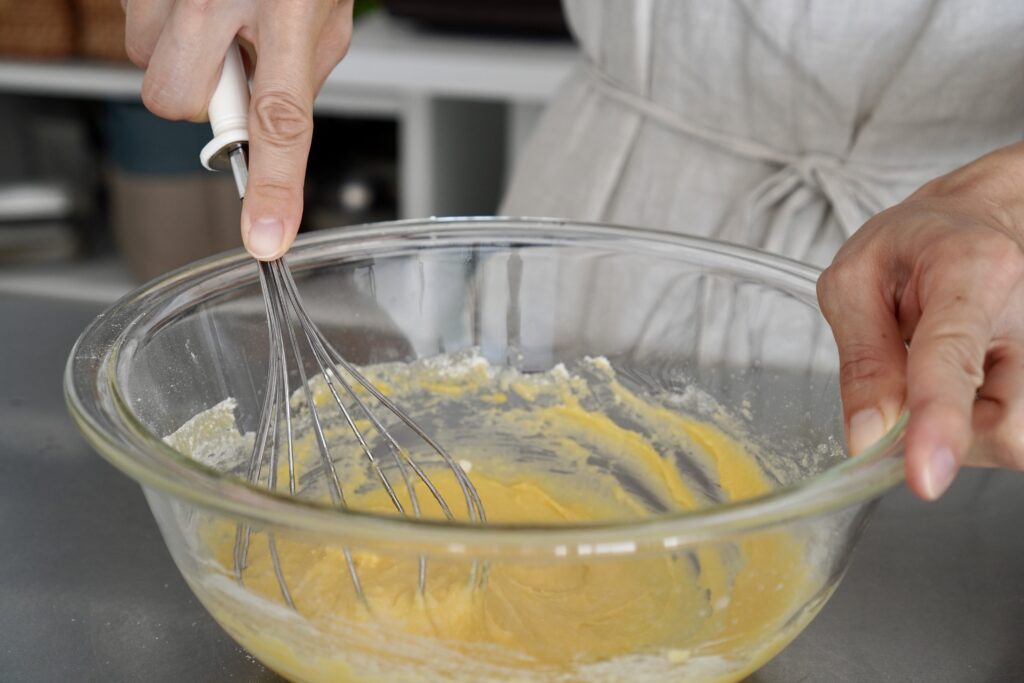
(100, 29)
(37, 28)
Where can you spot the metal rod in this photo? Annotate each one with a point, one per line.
(284, 309)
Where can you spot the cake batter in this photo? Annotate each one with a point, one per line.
(563, 447)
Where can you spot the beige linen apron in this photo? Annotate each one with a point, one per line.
(782, 125)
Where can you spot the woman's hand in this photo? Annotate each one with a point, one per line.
(944, 271)
(181, 44)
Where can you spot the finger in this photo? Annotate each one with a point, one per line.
(872, 355)
(280, 127)
(998, 420)
(334, 43)
(248, 52)
(143, 23)
(187, 60)
(945, 368)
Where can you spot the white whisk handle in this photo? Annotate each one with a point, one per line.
(229, 112)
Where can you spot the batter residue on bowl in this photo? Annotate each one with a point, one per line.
(565, 446)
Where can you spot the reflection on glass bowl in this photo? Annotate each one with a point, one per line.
(653, 421)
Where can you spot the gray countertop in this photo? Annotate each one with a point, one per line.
(89, 593)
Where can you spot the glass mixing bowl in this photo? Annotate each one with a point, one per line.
(717, 329)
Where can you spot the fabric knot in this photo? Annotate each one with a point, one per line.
(809, 167)
(851, 195)
(854, 191)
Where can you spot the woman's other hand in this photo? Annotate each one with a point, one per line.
(927, 305)
(292, 45)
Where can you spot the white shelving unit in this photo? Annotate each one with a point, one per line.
(464, 104)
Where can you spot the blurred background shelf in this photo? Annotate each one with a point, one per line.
(389, 57)
(464, 103)
(414, 122)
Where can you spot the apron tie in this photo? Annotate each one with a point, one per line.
(854, 190)
(852, 196)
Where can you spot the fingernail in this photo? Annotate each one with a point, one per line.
(867, 427)
(939, 472)
(265, 236)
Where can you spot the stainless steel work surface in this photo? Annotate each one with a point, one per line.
(88, 592)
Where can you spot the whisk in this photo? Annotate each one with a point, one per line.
(289, 328)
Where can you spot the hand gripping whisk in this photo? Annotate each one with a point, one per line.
(290, 330)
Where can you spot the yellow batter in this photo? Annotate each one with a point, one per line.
(714, 613)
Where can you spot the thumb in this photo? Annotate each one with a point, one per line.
(280, 130)
(872, 355)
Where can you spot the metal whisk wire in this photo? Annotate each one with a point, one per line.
(229, 113)
(285, 312)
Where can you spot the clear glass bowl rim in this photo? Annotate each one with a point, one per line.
(117, 435)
